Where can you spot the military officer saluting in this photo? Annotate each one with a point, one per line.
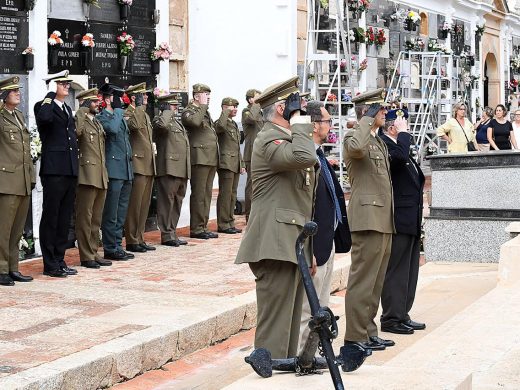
(143, 160)
(16, 175)
(283, 165)
(230, 166)
(173, 168)
(252, 123)
(204, 160)
(92, 179)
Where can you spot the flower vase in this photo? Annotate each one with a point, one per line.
(124, 11)
(123, 63)
(443, 34)
(84, 58)
(54, 50)
(28, 61)
(414, 26)
(471, 61)
(156, 67)
(408, 25)
(29, 5)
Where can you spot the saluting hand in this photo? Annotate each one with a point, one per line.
(292, 106)
(401, 124)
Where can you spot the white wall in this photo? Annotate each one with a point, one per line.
(235, 45)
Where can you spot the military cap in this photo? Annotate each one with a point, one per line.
(136, 89)
(89, 94)
(201, 88)
(111, 89)
(369, 97)
(252, 92)
(57, 77)
(10, 83)
(172, 98)
(277, 92)
(229, 101)
(392, 115)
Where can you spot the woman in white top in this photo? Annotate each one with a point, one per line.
(516, 127)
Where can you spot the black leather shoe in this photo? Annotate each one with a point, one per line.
(237, 230)
(352, 355)
(5, 280)
(18, 277)
(59, 273)
(414, 325)
(181, 242)
(69, 271)
(127, 255)
(379, 340)
(397, 329)
(212, 235)
(227, 231)
(170, 243)
(373, 346)
(90, 264)
(104, 263)
(135, 248)
(147, 247)
(202, 236)
(116, 256)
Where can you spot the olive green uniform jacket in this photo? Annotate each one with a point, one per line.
(202, 135)
(91, 142)
(173, 146)
(229, 143)
(252, 123)
(143, 154)
(284, 169)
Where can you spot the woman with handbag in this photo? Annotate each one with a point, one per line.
(458, 131)
(500, 132)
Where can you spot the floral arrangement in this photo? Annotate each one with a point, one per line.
(359, 34)
(88, 40)
(363, 65)
(414, 44)
(370, 36)
(125, 2)
(54, 39)
(161, 52)
(513, 84)
(359, 5)
(95, 3)
(380, 37)
(351, 35)
(515, 63)
(480, 30)
(332, 98)
(332, 138)
(28, 50)
(433, 45)
(158, 92)
(324, 4)
(35, 144)
(25, 247)
(414, 17)
(126, 44)
(343, 63)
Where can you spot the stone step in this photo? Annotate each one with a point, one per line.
(504, 374)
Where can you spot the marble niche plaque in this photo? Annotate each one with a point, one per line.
(14, 38)
(67, 9)
(68, 53)
(145, 42)
(8, 7)
(106, 54)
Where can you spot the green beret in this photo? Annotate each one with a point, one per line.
(201, 88)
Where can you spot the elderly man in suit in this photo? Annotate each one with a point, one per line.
(16, 175)
(58, 172)
(173, 168)
(403, 267)
(283, 168)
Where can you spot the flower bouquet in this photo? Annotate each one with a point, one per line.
(161, 52)
(444, 29)
(85, 55)
(479, 31)
(363, 65)
(412, 21)
(35, 144)
(126, 45)
(370, 36)
(88, 41)
(380, 38)
(357, 7)
(55, 43)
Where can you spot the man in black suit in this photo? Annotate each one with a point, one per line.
(329, 213)
(403, 267)
(58, 172)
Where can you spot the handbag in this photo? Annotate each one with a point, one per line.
(470, 145)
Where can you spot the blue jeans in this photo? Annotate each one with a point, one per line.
(114, 214)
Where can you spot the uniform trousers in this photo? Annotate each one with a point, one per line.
(401, 279)
(13, 209)
(369, 256)
(248, 190)
(227, 197)
(321, 280)
(279, 298)
(138, 209)
(114, 214)
(58, 205)
(170, 194)
(89, 210)
(200, 200)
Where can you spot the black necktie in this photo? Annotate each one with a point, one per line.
(64, 108)
(328, 180)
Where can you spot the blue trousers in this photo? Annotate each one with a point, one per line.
(114, 214)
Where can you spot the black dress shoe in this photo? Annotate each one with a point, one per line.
(237, 230)
(397, 328)
(212, 235)
(18, 277)
(373, 346)
(135, 248)
(227, 231)
(90, 264)
(127, 255)
(181, 242)
(59, 273)
(147, 247)
(5, 280)
(414, 325)
(103, 262)
(379, 340)
(352, 355)
(170, 243)
(69, 271)
(116, 256)
(202, 236)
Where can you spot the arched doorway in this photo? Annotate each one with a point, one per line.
(424, 29)
(491, 81)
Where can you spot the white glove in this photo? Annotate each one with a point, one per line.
(52, 86)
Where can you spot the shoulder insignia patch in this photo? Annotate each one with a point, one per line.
(278, 141)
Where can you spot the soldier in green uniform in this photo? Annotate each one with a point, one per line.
(230, 166)
(204, 160)
(92, 179)
(16, 176)
(252, 123)
(173, 168)
(283, 168)
(370, 217)
(143, 161)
